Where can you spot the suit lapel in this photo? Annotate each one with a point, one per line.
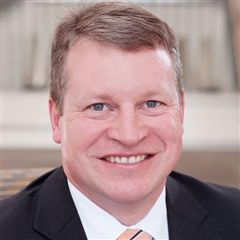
(185, 214)
(56, 216)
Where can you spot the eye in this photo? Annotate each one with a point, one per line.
(98, 107)
(98, 111)
(152, 104)
(153, 107)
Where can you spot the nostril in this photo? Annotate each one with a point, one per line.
(126, 138)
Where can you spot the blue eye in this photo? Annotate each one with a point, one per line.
(98, 107)
(98, 111)
(152, 103)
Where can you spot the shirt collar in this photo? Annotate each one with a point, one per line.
(99, 224)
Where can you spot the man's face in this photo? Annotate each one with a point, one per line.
(121, 128)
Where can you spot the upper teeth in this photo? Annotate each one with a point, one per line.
(126, 160)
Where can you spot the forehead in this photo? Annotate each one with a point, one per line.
(94, 67)
(89, 48)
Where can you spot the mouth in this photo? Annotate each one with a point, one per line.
(127, 160)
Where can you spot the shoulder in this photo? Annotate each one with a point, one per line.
(18, 210)
(26, 195)
(207, 210)
(200, 188)
(221, 200)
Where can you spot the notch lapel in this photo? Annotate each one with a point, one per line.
(185, 215)
(56, 216)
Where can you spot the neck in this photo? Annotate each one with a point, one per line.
(130, 212)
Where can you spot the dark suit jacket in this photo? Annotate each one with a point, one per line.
(45, 210)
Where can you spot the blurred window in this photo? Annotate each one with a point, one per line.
(202, 27)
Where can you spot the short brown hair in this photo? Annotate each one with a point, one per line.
(122, 25)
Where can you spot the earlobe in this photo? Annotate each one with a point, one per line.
(55, 121)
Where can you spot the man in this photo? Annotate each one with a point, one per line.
(116, 107)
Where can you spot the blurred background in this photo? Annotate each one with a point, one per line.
(209, 34)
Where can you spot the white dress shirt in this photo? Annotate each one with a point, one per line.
(99, 224)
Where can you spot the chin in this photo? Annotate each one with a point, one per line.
(130, 193)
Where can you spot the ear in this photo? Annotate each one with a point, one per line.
(182, 104)
(55, 121)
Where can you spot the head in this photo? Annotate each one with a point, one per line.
(121, 25)
(116, 103)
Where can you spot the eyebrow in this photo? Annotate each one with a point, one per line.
(96, 97)
(105, 96)
(152, 93)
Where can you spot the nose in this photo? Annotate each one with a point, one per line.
(128, 129)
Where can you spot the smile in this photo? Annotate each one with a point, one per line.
(127, 159)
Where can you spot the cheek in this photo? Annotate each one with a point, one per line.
(169, 127)
(81, 133)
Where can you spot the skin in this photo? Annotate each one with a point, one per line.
(119, 103)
